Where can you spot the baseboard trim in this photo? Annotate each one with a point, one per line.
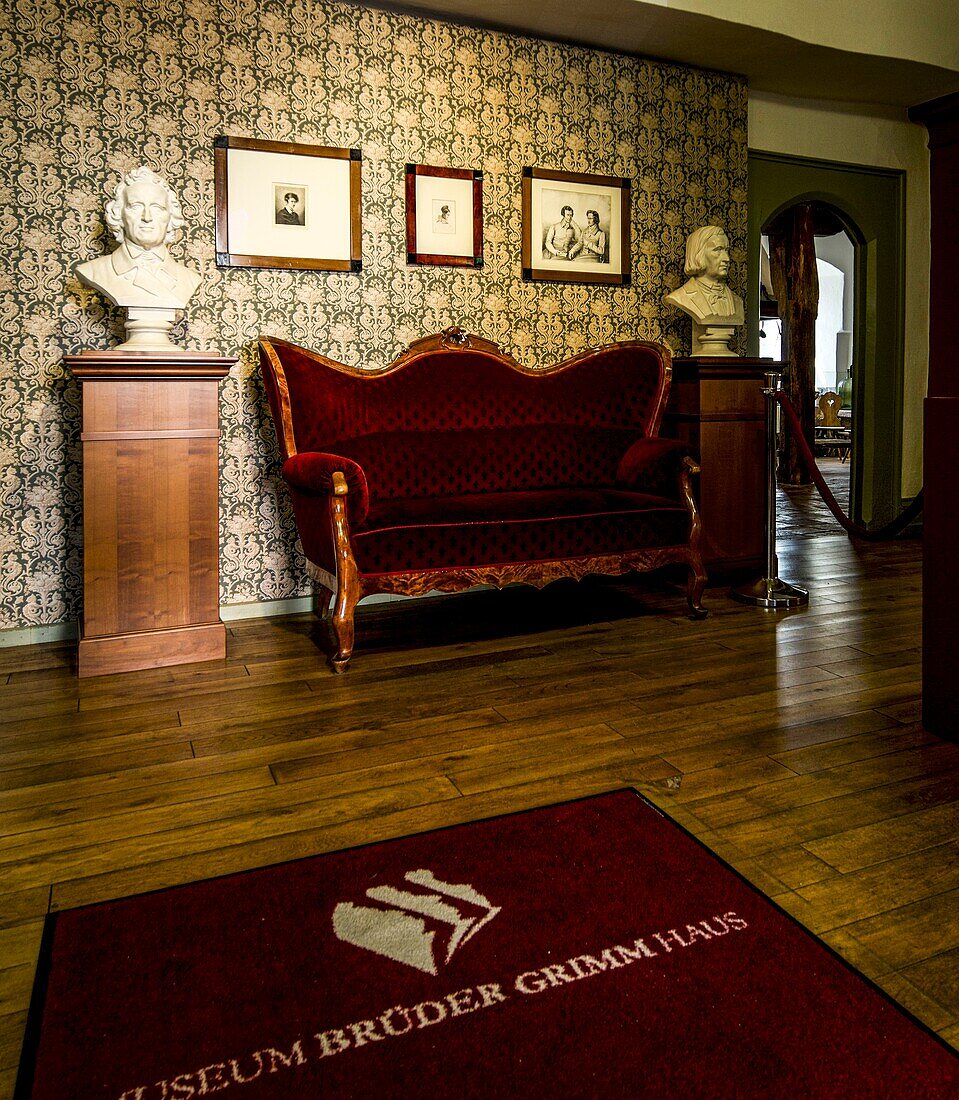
(299, 605)
(37, 635)
(259, 609)
(256, 609)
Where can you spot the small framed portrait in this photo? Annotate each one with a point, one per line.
(576, 227)
(444, 216)
(279, 204)
(289, 200)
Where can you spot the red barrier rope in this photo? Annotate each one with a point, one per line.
(855, 529)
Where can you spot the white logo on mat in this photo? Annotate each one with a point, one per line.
(403, 927)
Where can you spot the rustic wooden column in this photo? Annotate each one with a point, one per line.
(940, 594)
(717, 406)
(150, 509)
(795, 280)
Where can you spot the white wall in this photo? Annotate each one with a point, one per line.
(885, 139)
(828, 323)
(839, 251)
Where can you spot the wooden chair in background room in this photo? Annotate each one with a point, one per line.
(832, 435)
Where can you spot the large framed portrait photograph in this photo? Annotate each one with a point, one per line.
(279, 204)
(444, 216)
(576, 227)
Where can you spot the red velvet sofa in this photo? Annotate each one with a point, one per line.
(455, 465)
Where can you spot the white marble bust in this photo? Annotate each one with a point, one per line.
(705, 295)
(144, 216)
(715, 310)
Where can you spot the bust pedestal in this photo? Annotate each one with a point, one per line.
(711, 340)
(148, 329)
(150, 509)
(716, 404)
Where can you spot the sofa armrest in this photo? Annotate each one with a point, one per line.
(311, 472)
(656, 466)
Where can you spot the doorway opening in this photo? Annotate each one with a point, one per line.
(808, 293)
(869, 203)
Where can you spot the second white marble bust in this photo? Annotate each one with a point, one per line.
(705, 295)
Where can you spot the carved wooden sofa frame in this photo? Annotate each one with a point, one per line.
(330, 489)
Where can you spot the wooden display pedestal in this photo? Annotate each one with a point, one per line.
(150, 509)
(716, 405)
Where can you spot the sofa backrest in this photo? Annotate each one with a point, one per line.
(449, 417)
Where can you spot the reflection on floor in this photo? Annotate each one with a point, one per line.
(800, 511)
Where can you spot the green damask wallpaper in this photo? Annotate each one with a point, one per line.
(99, 86)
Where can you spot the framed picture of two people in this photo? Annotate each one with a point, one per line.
(575, 227)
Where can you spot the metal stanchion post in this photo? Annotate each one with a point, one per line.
(770, 591)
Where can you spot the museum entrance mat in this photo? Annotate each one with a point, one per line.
(587, 949)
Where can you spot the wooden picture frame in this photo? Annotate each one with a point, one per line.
(444, 216)
(591, 246)
(280, 204)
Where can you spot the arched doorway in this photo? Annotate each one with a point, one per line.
(868, 203)
(808, 321)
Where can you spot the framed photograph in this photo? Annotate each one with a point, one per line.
(444, 216)
(576, 228)
(284, 205)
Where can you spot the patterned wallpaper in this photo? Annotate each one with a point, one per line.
(100, 86)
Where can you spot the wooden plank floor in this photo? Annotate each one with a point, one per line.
(802, 513)
(790, 743)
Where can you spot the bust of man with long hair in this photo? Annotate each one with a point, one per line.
(144, 216)
(705, 295)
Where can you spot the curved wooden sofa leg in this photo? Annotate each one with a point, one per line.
(694, 590)
(348, 589)
(697, 574)
(342, 622)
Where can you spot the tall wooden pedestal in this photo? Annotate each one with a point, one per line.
(150, 510)
(717, 406)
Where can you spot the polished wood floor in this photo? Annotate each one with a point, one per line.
(790, 743)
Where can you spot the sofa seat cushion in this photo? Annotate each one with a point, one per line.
(498, 528)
